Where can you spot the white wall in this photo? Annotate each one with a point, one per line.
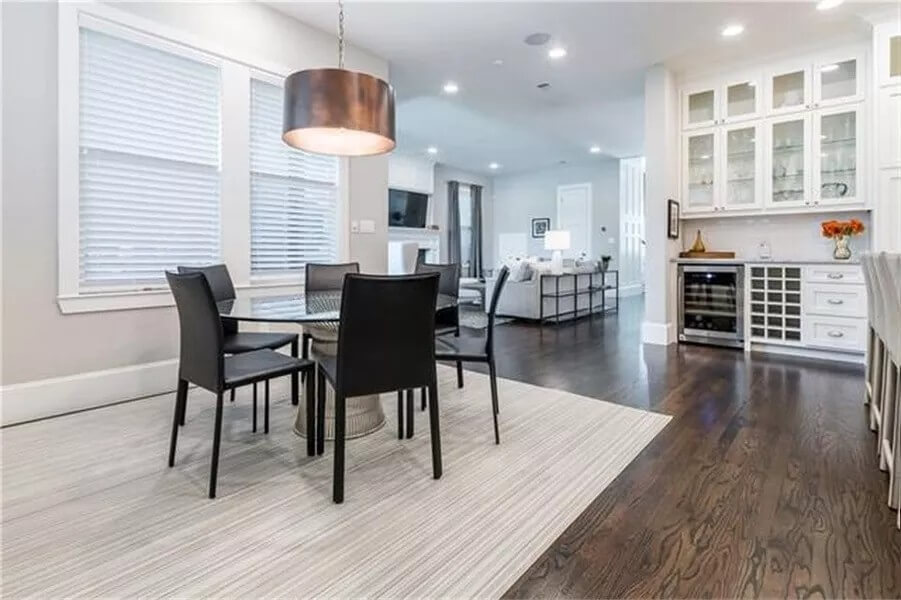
(37, 341)
(789, 236)
(443, 174)
(661, 161)
(519, 198)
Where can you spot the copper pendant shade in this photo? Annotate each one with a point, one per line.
(338, 112)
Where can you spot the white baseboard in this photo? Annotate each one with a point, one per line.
(661, 334)
(47, 397)
(633, 289)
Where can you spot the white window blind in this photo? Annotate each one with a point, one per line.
(293, 194)
(148, 162)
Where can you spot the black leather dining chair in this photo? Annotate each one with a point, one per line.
(469, 348)
(202, 361)
(238, 342)
(324, 277)
(447, 321)
(385, 343)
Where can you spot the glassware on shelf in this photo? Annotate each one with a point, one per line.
(838, 155)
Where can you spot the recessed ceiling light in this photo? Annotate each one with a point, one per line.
(828, 4)
(556, 52)
(432, 150)
(494, 166)
(595, 149)
(733, 30)
(829, 68)
(451, 88)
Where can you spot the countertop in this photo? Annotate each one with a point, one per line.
(759, 261)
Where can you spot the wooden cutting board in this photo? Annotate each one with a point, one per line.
(707, 255)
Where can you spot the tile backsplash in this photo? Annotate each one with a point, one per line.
(788, 236)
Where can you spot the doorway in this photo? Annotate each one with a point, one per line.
(631, 225)
(574, 215)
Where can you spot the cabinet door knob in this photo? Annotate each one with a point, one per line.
(835, 275)
(835, 301)
(836, 334)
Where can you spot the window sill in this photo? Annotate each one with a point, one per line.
(135, 300)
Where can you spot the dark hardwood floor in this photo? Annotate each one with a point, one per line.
(765, 483)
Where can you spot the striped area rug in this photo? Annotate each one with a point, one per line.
(90, 509)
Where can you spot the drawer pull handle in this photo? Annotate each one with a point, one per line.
(835, 301)
(836, 334)
(835, 275)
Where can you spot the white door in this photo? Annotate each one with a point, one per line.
(574, 216)
(631, 223)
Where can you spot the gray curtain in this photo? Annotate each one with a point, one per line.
(475, 251)
(453, 222)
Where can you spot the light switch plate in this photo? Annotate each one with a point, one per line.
(355, 227)
(367, 226)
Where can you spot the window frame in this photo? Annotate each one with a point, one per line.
(234, 200)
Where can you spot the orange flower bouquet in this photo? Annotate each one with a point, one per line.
(840, 232)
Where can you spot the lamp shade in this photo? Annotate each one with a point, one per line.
(338, 112)
(556, 239)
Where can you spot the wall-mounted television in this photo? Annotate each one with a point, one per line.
(407, 209)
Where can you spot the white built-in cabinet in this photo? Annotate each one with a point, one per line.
(887, 145)
(787, 139)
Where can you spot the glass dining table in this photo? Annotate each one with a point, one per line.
(320, 314)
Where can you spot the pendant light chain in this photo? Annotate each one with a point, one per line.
(340, 34)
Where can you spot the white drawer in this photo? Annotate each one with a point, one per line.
(834, 299)
(835, 333)
(833, 274)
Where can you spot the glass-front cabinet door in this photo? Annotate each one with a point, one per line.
(893, 64)
(741, 161)
(699, 107)
(788, 181)
(837, 148)
(699, 151)
(741, 100)
(837, 81)
(789, 90)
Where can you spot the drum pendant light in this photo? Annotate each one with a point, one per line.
(338, 112)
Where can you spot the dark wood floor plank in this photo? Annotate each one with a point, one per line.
(763, 485)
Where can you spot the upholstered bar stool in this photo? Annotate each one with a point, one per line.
(866, 263)
(889, 269)
(879, 350)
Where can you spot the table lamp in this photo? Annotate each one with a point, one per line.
(556, 240)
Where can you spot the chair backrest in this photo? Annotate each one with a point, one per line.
(386, 336)
(327, 277)
(201, 357)
(893, 267)
(492, 307)
(219, 279)
(866, 266)
(448, 274)
(891, 319)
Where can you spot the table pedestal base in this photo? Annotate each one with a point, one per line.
(364, 413)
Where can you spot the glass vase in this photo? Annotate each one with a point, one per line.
(842, 249)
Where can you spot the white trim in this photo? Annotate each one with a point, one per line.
(661, 334)
(634, 289)
(589, 209)
(796, 351)
(46, 397)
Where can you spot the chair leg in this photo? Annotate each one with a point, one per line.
(400, 414)
(494, 403)
(459, 374)
(217, 435)
(305, 353)
(232, 399)
(422, 398)
(435, 431)
(320, 413)
(410, 413)
(184, 405)
(266, 408)
(338, 477)
(311, 415)
(181, 396)
(294, 376)
(254, 408)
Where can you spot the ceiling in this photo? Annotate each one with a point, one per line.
(596, 92)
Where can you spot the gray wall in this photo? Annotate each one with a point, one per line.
(443, 174)
(520, 197)
(37, 340)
